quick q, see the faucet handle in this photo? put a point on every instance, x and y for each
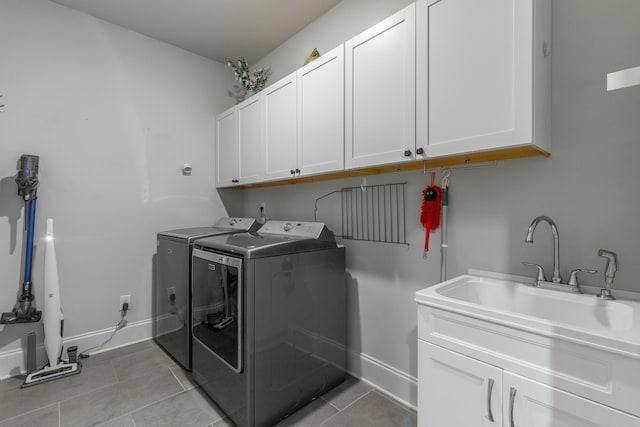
(573, 279)
(540, 277)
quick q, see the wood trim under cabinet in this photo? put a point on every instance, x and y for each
(470, 158)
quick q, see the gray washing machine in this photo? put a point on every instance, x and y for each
(269, 319)
(171, 291)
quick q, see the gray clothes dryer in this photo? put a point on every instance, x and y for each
(269, 319)
(171, 289)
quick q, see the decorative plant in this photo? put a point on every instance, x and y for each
(253, 81)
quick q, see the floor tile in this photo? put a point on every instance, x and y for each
(186, 409)
(11, 383)
(47, 416)
(116, 352)
(184, 377)
(140, 385)
(373, 410)
(115, 400)
(140, 364)
(18, 401)
(347, 392)
(123, 421)
(310, 415)
(223, 423)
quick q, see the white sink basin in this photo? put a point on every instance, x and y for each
(514, 301)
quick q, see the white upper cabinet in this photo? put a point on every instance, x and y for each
(239, 144)
(250, 141)
(380, 93)
(280, 114)
(483, 75)
(450, 80)
(227, 148)
(321, 114)
(304, 119)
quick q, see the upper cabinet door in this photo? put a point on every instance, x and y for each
(250, 141)
(280, 112)
(227, 148)
(480, 68)
(380, 93)
(321, 114)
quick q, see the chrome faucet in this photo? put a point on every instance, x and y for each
(556, 244)
(609, 274)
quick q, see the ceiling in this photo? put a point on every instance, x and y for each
(216, 29)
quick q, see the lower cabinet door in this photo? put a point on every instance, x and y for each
(456, 390)
(529, 403)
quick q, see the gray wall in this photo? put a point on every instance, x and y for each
(113, 116)
(588, 185)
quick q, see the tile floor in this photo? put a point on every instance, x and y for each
(139, 385)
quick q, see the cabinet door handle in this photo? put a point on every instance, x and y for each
(298, 171)
(407, 153)
(293, 172)
(420, 151)
(512, 402)
(489, 415)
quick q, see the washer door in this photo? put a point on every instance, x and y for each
(217, 305)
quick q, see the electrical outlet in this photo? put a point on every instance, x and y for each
(123, 299)
(171, 294)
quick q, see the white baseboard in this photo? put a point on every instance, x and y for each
(391, 381)
(13, 362)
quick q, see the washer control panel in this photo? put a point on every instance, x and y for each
(236, 223)
(293, 228)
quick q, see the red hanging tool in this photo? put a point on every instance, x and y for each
(431, 205)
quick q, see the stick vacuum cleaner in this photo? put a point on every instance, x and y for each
(24, 311)
(27, 180)
(53, 322)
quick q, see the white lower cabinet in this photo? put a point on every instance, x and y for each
(528, 403)
(456, 390)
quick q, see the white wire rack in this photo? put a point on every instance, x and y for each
(374, 213)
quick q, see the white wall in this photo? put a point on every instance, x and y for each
(588, 186)
(113, 116)
(345, 20)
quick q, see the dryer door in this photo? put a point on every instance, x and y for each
(217, 305)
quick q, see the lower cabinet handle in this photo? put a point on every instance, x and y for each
(512, 401)
(489, 415)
